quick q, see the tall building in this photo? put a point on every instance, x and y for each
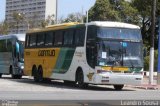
(25, 14)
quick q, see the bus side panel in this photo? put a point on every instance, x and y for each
(64, 60)
(39, 57)
(78, 60)
(5, 62)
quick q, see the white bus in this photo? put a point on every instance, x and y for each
(91, 53)
(12, 55)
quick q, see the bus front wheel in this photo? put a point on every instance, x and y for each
(80, 80)
(16, 76)
(118, 87)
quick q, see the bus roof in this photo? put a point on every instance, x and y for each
(113, 24)
(54, 27)
(74, 24)
(20, 37)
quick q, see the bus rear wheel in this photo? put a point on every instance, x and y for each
(118, 87)
(38, 74)
(0, 75)
(80, 80)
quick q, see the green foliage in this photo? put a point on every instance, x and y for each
(113, 10)
(75, 17)
(147, 59)
(49, 21)
(144, 8)
(4, 27)
(103, 10)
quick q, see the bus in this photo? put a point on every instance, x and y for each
(99, 52)
(12, 55)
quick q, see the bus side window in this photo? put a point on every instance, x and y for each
(79, 36)
(3, 47)
(9, 45)
(32, 40)
(68, 37)
(58, 38)
(49, 39)
(40, 39)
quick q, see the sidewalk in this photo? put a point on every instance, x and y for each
(146, 85)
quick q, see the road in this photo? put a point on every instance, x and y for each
(27, 89)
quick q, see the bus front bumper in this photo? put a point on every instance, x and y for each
(118, 79)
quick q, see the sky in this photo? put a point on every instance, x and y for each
(65, 7)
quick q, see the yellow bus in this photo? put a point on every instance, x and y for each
(92, 53)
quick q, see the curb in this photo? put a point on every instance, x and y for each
(145, 86)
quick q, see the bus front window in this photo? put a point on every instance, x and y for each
(117, 53)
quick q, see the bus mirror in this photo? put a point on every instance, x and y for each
(17, 51)
(17, 47)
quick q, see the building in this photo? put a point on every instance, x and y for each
(31, 13)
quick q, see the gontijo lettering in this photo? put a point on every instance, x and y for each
(46, 53)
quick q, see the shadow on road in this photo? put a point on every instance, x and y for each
(62, 85)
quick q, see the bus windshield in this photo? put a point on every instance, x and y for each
(120, 53)
(119, 33)
(114, 47)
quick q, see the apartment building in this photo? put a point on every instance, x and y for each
(33, 13)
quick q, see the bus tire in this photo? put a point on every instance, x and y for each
(118, 87)
(35, 74)
(19, 76)
(80, 79)
(47, 80)
(16, 76)
(13, 75)
(0, 75)
(40, 74)
(11, 72)
(70, 83)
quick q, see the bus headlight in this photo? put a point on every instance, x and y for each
(22, 67)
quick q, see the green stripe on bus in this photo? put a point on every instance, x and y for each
(64, 60)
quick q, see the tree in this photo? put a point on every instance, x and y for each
(4, 27)
(74, 17)
(102, 10)
(144, 12)
(18, 18)
(49, 21)
(34, 23)
(113, 10)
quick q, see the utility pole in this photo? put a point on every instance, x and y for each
(152, 42)
(158, 73)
